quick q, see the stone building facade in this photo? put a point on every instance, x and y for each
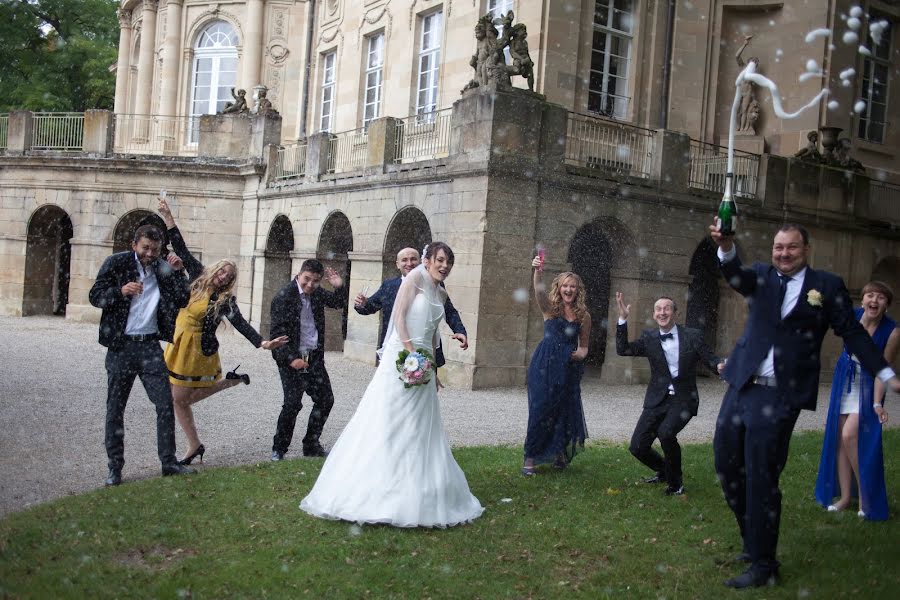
(613, 167)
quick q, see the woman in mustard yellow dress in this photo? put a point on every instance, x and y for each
(195, 371)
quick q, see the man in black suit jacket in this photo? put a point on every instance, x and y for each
(298, 312)
(140, 296)
(773, 373)
(671, 399)
(383, 300)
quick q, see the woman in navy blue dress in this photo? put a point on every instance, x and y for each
(556, 427)
(852, 459)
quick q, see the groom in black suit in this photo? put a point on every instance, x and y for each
(671, 399)
(298, 311)
(773, 373)
(383, 300)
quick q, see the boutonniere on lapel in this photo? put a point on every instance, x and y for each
(814, 298)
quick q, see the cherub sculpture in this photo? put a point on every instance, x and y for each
(263, 104)
(811, 151)
(239, 106)
(518, 51)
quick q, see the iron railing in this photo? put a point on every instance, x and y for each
(290, 162)
(709, 164)
(603, 144)
(154, 134)
(347, 151)
(884, 201)
(57, 131)
(4, 131)
(423, 136)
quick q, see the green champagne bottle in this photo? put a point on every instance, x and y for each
(727, 216)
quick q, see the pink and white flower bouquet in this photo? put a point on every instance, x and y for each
(415, 368)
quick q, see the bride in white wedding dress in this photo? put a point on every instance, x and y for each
(392, 463)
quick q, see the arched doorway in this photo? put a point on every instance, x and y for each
(596, 249)
(48, 253)
(590, 254)
(335, 244)
(408, 229)
(703, 291)
(277, 266)
(123, 235)
(888, 271)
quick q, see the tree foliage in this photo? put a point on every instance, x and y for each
(56, 54)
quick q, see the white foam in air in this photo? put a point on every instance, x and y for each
(817, 33)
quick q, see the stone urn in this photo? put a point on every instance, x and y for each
(829, 141)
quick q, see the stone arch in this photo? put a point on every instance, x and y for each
(333, 249)
(703, 291)
(123, 234)
(408, 229)
(48, 254)
(276, 266)
(596, 249)
(888, 271)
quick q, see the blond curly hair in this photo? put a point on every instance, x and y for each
(204, 287)
(556, 301)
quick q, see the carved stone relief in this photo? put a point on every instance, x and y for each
(371, 18)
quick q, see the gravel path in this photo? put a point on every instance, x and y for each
(52, 410)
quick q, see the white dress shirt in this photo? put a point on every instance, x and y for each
(670, 349)
(142, 312)
(309, 336)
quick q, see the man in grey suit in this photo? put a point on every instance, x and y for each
(671, 399)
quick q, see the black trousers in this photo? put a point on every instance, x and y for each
(664, 421)
(144, 360)
(315, 383)
(753, 433)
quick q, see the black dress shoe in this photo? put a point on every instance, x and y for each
(277, 455)
(314, 450)
(114, 477)
(177, 469)
(742, 557)
(753, 577)
(233, 374)
(674, 491)
(658, 478)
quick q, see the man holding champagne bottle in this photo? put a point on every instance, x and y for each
(773, 374)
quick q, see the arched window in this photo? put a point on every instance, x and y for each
(214, 72)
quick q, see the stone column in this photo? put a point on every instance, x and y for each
(19, 132)
(253, 28)
(318, 155)
(170, 59)
(98, 132)
(87, 256)
(144, 88)
(672, 159)
(123, 66)
(382, 144)
(362, 330)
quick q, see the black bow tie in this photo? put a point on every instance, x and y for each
(666, 336)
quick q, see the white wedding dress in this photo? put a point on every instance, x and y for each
(392, 463)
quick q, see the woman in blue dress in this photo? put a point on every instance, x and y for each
(556, 427)
(851, 452)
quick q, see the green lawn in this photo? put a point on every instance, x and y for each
(589, 532)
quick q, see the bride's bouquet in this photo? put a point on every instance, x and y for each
(415, 368)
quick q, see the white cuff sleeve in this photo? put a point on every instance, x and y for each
(726, 256)
(622, 321)
(885, 374)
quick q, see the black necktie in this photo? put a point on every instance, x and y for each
(782, 289)
(666, 336)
